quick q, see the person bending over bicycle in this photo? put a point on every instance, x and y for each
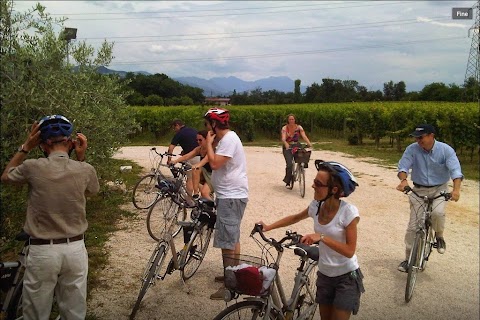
(186, 137)
(202, 172)
(291, 133)
(339, 282)
(57, 260)
(432, 164)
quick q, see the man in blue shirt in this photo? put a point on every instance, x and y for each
(187, 139)
(432, 164)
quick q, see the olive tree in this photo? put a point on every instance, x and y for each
(37, 78)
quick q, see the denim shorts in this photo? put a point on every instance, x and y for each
(227, 228)
(343, 291)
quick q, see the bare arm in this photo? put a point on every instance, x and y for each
(287, 221)
(216, 161)
(33, 140)
(403, 181)
(284, 137)
(305, 138)
(195, 152)
(170, 150)
(456, 189)
(346, 249)
(202, 162)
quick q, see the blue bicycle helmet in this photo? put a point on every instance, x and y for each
(54, 126)
(348, 181)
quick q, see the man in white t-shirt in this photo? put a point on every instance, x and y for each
(229, 179)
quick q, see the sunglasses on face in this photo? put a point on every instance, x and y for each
(319, 184)
(199, 140)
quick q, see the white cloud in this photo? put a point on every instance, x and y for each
(368, 41)
(436, 23)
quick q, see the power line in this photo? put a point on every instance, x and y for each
(229, 13)
(264, 33)
(270, 55)
(180, 11)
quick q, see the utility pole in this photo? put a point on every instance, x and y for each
(473, 64)
(68, 34)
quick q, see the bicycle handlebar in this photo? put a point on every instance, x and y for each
(446, 195)
(163, 154)
(289, 235)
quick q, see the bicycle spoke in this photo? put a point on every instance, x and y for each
(305, 301)
(162, 218)
(414, 266)
(196, 250)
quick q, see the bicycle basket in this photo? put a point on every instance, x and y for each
(247, 275)
(302, 156)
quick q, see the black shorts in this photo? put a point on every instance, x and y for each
(343, 291)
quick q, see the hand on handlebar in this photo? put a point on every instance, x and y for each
(455, 195)
(403, 185)
(310, 238)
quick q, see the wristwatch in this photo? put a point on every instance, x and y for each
(20, 149)
(322, 236)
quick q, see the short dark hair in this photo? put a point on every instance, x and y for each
(203, 133)
(177, 122)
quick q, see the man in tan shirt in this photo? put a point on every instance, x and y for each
(57, 261)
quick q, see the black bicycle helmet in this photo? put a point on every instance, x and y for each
(54, 126)
(349, 183)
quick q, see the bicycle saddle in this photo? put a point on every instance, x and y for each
(303, 250)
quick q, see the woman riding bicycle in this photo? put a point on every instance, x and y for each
(339, 282)
(291, 132)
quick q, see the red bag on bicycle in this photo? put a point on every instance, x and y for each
(249, 281)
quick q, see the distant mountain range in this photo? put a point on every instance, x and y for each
(222, 86)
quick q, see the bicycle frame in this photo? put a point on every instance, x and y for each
(424, 240)
(276, 301)
(285, 308)
(424, 224)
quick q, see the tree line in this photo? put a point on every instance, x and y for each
(160, 90)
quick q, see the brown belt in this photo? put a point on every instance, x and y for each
(55, 241)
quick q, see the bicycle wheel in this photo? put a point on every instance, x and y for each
(145, 193)
(154, 264)
(244, 310)
(414, 265)
(305, 305)
(162, 218)
(195, 251)
(301, 179)
(429, 244)
(15, 310)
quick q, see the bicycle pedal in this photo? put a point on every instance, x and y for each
(435, 245)
(170, 267)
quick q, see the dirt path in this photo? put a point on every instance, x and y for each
(448, 289)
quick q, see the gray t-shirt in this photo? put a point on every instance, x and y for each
(56, 195)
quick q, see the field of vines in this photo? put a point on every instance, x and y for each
(456, 123)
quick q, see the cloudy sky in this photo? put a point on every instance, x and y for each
(371, 42)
